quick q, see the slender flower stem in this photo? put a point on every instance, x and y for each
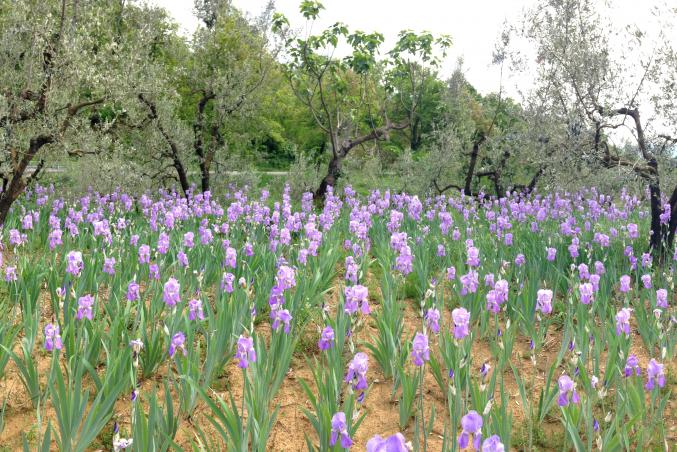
(244, 396)
(420, 405)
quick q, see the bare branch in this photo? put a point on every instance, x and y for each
(72, 110)
(375, 134)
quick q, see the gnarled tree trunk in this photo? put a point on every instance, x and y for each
(173, 153)
(329, 180)
(204, 159)
(17, 184)
(474, 156)
(659, 234)
(340, 151)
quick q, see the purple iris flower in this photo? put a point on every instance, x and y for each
(326, 339)
(432, 319)
(245, 351)
(52, 337)
(195, 310)
(471, 424)
(625, 283)
(74, 264)
(461, 319)
(144, 254)
(178, 342)
(544, 301)
(393, 443)
(586, 292)
(567, 391)
(551, 254)
(109, 265)
(631, 366)
(662, 298)
(493, 444)
(623, 321)
(280, 317)
(357, 371)
(171, 293)
(654, 374)
(420, 352)
(355, 295)
(339, 428)
(85, 304)
(133, 291)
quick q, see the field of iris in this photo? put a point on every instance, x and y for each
(384, 323)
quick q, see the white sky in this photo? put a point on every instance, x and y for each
(474, 25)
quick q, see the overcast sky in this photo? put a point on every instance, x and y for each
(474, 25)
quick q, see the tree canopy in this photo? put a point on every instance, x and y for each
(117, 84)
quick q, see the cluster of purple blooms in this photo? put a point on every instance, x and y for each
(355, 296)
(327, 338)
(52, 338)
(246, 353)
(471, 427)
(96, 215)
(285, 279)
(497, 296)
(655, 373)
(357, 374)
(461, 319)
(404, 260)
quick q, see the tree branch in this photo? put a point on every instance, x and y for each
(174, 149)
(72, 110)
(442, 190)
(375, 134)
(36, 172)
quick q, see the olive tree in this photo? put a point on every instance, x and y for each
(482, 143)
(68, 72)
(202, 90)
(602, 82)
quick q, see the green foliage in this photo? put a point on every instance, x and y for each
(80, 420)
(249, 91)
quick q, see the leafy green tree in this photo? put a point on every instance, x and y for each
(282, 128)
(422, 86)
(351, 97)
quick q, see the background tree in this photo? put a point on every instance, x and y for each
(350, 98)
(417, 92)
(487, 152)
(210, 89)
(62, 72)
(602, 91)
